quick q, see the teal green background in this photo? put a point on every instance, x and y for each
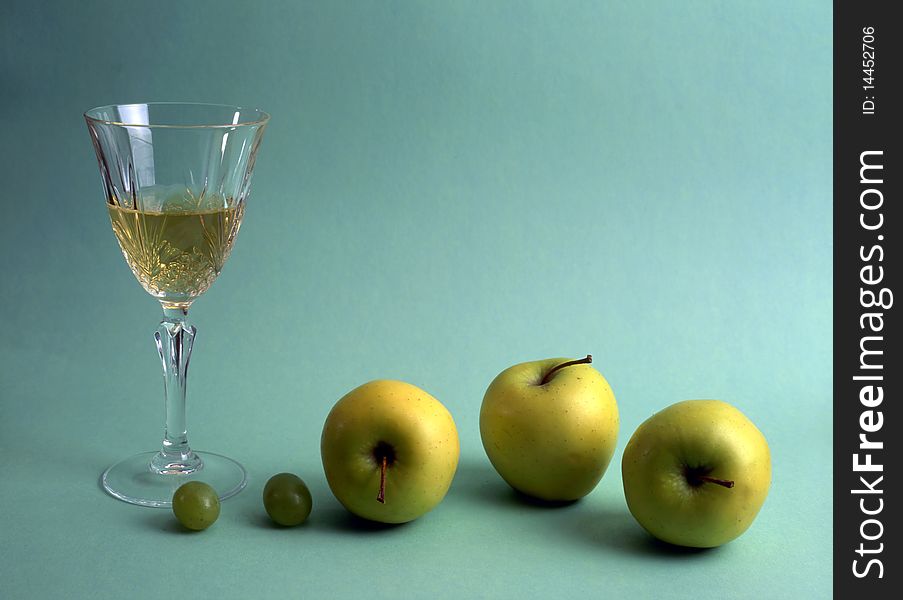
(445, 189)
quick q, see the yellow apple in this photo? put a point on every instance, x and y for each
(697, 473)
(549, 427)
(390, 451)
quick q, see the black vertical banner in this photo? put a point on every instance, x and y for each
(868, 365)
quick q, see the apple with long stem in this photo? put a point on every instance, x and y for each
(696, 473)
(550, 427)
(390, 451)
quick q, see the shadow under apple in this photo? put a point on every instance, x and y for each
(617, 530)
(479, 481)
(578, 520)
(338, 519)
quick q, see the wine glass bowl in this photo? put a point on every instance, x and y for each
(176, 177)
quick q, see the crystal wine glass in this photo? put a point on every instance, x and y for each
(176, 177)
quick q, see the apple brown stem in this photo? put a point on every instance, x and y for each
(725, 482)
(381, 496)
(580, 361)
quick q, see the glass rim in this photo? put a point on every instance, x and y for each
(262, 116)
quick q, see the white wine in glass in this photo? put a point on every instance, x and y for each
(177, 254)
(176, 178)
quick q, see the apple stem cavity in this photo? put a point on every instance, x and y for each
(724, 482)
(570, 363)
(696, 476)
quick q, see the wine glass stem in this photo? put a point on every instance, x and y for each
(175, 338)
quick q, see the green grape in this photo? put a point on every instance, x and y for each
(287, 499)
(195, 505)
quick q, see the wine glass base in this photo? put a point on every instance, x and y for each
(132, 480)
